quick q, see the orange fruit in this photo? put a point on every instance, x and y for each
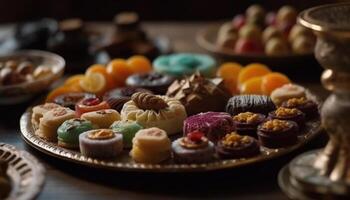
(74, 79)
(98, 68)
(272, 81)
(229, 72)
(252, 70)
(119, 70)
(252, 86)
(59, 91)
(139, 64)
(231, 85)
(94, 82)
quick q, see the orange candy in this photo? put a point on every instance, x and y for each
(252, 86)
(229, 72)
(272, 81)
(61, 90)
(139, 64)
(119, 70)
(98, 68)
(252, 70)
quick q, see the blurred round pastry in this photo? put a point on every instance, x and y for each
(270, 19)
(153, 81)
(286, 14)
(100, 143)
(213, 124)
(298, 30)
(181, 64)
(277, 133)
(234, 146)
(150, 110)
(150, 145)
(276, 47)
(246, 123)
(118, 97)
(255, 11)
(291, 114)
(50, 122)
(39, 111)
(271, 32)
(102, 118)
(200, 94)
(303, 45)
(89, 105)
(307, 106)
(238, 21)
(248, 46)
(71, 99)
(128, 129)
(250, 103)
(250, 31)
(193, 148)
(286, 92)
(68, 132)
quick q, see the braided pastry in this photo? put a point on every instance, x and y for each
(147, 101)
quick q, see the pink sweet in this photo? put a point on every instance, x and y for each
(214, 125)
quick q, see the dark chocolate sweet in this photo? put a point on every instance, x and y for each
(291, 114)
(117, 97)
(234, 146)
(199, 94)
(278, 133)
(153, 81)
(70, 99)
(309, 107)
(250, 103)
(246, 123)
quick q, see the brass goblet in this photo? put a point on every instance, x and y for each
(325, 174)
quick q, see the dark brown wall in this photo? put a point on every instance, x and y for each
(20, 10)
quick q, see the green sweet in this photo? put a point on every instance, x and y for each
(128, 129)
(70, 130)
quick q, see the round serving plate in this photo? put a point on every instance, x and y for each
(125, 163)
(294, 65)
(26, 174)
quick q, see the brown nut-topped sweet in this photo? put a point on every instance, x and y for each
(148, 101)
(309, 107)
(246, 117)
(277, 133)
(246, 123)
(292, 114)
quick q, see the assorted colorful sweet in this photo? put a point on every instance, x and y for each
(71, 99)
(213, 124)
(101, 143)
(116, 98)
(199, 94)
(182, 64)
(288, 91)
(193, 148)
(255, 78)
(102, 118)
(68, 132)
(235, 146)
(128, 129)
(153, 81)
(50, 122)
(155, 111)
(89, 105)
(22, 70)
(291, 114)
(246, 123)
(307, 106)
(277, 133)
(250, 103)
(273, 34)
(151, 145)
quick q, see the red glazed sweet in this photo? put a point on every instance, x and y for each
(89, 105)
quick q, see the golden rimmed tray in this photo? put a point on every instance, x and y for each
(125, 163)
(26, 174)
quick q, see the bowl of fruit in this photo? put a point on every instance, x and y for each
(25, 74)
(272, 38)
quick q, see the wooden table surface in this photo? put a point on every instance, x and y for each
(69, 181)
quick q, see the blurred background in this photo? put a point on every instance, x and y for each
(104, 10)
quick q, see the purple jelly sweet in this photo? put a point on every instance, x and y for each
(214, 125)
